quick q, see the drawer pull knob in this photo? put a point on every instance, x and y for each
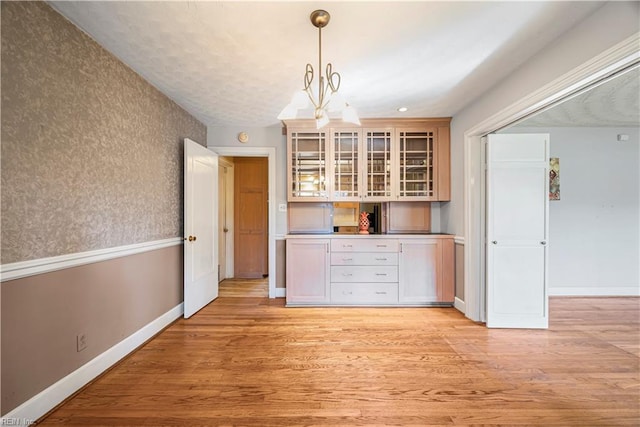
(381, 246)
(381, 259)
(347, 259)
(347, 293)
(381, 274)
(380, 293)
(347, 274)
(347, 246)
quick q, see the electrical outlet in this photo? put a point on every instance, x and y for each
(282, 207)
(81, 342)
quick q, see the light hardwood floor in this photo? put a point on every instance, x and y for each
(250, 361)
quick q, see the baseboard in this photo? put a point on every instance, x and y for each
(17, 270)
(600, 291)
(459, 305)
(46, 400)
(281, 292)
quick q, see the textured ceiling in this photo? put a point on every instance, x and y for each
(614, 103)
(238, 63)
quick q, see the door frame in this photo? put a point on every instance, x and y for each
(270, 153)
(568, 85)
(228, 189)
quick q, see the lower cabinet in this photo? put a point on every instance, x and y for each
(307, 271)
(370, 271)
(426, 271)
(364, 271)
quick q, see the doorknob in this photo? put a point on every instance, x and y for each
(192, 238)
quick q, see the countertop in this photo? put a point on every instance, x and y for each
(370, 236)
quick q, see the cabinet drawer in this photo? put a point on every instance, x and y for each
(364, 258)
(364, 293)
(364, 245)
(364, 274)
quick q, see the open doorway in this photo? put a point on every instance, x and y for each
(243, 226)
(475, 218)
(263, 276)
(594, 147)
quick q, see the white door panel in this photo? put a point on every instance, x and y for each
(516, 277)
(517, 230)
(200, 227)
(526, 147)
(518, 203)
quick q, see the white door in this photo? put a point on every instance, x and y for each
(517, 230)
(200, 227)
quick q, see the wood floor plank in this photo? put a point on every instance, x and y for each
(248, 360)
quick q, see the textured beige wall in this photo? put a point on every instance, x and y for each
(91, 158)
(108, 301)
(91, 153)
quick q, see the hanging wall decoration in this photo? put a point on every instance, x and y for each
(554, 178)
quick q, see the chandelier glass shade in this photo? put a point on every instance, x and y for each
(327, 99)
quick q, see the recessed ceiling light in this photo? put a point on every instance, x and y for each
(403, 109)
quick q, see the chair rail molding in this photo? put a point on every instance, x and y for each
(17, 270)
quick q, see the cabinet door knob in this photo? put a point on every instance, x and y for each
(543, 243)
(495, 242)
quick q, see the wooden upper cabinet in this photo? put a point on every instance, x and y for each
(378, 165)
(345, 164)
(416, 164)
(307, 166)
(385, 160)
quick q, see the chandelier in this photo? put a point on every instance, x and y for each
(327, 99)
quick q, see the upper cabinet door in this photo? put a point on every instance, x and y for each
(307, 168)
(345, 164)
(384, 160)
(379, 165)
(416, 164)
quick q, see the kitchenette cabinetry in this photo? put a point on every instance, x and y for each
(385, 160)
(370, 270)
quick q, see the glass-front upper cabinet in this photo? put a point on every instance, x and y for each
(379, 165)
(416, 164)
(346, 164)
(307, 169)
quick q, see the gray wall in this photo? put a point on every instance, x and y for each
(91, 159)
(594, 229)
(218, 136)
(107, 301)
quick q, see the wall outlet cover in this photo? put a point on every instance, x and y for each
(81, 342)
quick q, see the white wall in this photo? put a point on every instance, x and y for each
(259, 137)
(607, 26)
(594, 229)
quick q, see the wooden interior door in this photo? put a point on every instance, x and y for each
(251, 217)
